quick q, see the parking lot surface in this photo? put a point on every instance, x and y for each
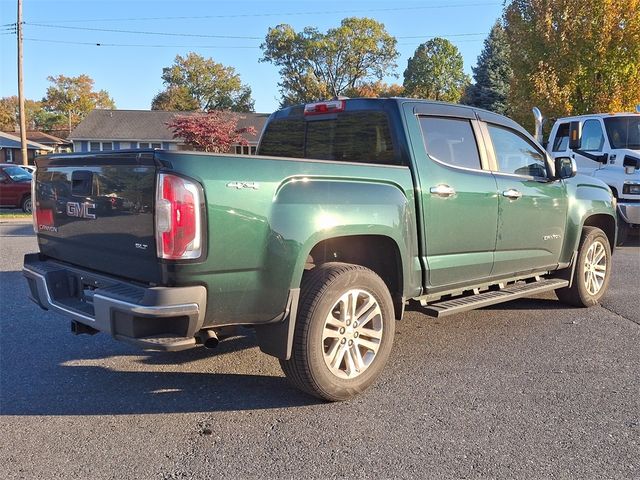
(527, 389)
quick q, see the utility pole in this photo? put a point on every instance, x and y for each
(23, 120)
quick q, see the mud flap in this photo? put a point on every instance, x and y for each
(276, 338)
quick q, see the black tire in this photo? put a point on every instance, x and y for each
(26, 204)
(578, 294)
(322, 288)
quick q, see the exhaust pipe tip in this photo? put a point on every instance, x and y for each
(208, 338)
(78, 328)
(539, 122)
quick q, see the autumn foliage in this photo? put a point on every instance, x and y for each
(573, 56)
(213, 132)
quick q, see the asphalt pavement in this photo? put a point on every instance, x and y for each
(527, 389)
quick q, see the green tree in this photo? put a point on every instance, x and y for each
(198, 83)
(36, 117)
(573, 56)
(315, 65)
(492, 74)
(435, 72)
(377, 89)
(74, 97)
(8, 113)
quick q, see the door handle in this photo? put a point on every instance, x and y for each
(442, 190)
(512, 194)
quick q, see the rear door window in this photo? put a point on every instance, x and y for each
(450, 141)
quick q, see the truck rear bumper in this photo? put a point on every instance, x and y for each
(158, 318)
(629, 212)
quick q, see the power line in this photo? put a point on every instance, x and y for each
(198, 35)
(445, 36)
(246, 15)
(137, 32)
(103, 44)
(234, 37)
(146, 45)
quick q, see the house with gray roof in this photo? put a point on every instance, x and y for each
(103, 130)
(10, 151)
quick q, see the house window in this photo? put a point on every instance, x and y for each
(153, 145)
(100, 146)
(9, 155)
(245, 149)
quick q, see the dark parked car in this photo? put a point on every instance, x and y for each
(15, 187)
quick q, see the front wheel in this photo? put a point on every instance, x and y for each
(344, 332)
(592, 271)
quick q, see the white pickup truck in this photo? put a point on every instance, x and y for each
(606, 146)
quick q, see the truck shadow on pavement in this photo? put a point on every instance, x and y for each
(45, 370)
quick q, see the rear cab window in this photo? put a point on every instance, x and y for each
(350, 136)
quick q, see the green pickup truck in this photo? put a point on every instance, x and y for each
(351, 210)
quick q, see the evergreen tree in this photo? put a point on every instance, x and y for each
(492, 74)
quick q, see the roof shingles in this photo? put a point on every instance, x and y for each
(144, 125)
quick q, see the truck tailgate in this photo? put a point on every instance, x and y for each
(96, 211)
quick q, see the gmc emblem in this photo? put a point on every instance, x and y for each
(80, 210)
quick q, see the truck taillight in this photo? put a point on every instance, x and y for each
(34, 203)
(178, 218)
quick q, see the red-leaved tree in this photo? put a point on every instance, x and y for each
(212, 132)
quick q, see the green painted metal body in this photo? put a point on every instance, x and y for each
(259, 238)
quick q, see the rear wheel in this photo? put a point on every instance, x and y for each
(592, 271)
(26, 204)
(344, 332)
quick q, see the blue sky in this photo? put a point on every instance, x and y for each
(130, 70)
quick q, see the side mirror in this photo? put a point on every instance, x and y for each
(630, 164)
(575, 135)
(565, 167)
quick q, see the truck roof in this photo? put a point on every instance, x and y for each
(447, 108)
(597, 115)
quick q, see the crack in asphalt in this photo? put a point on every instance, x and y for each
(637, 322)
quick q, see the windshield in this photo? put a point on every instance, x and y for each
(17, 174)
(623, 132)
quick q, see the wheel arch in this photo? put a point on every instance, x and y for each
(379, 253)
(604, 222)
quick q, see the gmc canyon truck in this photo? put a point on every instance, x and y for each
(351, 209)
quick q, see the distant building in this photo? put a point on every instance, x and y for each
(58, 144)
(104, 130)
(10, 151)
